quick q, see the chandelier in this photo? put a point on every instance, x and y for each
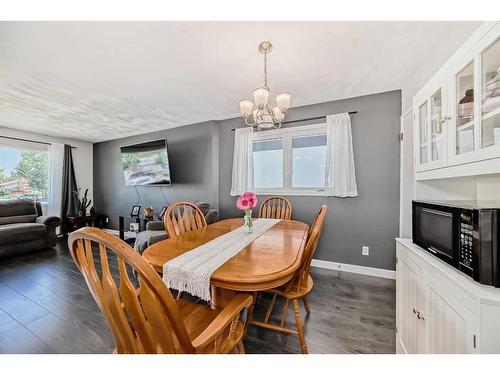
(260, 112)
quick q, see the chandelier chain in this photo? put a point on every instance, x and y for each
(265, 71)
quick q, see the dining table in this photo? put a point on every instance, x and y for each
(267, 262)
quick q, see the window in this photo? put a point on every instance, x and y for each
(268, 163)
(308, 161)
(290, 161)
(23, 170)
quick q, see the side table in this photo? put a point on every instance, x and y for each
(71, 223)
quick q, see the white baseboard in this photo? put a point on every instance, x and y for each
(370, 271)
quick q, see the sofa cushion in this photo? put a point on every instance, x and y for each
(17, 211)
(21, 232)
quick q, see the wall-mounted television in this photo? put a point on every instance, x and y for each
(146, 163)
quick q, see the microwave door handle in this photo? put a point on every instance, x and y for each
(435, 251)
(441, 213)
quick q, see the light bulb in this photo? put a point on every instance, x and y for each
(283, 101)
(260, 97)
(246, 107)
(278, 115)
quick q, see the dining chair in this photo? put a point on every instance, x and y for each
(148, 319)
(182, 217)
(276, 207)
(299, 286)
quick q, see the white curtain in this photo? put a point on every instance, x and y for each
(242, 178)
(56, 157)
(340, 173)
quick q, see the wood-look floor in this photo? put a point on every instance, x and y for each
(45, 307)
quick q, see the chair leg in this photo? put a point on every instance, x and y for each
(241, 348)
(250, 313)
(270, 309)
(306, 305)
(300, 330)
(179, 295)
(283, 312)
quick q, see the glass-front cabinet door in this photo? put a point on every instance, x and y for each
(423, 131)
(490, 95)
(437, 122)
(430, 126)
(464, 109)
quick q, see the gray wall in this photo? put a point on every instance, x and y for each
(200, 172)
(193, 153)
(370, 219)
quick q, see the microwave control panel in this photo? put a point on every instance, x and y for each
(466, 239)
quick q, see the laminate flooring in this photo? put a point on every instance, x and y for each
(46, 307)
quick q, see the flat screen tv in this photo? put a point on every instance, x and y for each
(146, 163)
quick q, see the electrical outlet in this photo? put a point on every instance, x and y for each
(107, 219)
(365, 250)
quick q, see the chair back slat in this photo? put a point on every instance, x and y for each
(143, 320)
(276, 207)
(133, 307)
(300, 277)
(182, 217)
(158, 320)
(88, 266)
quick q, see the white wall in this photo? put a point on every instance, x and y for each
(488, 188)
(444, 46)
(82, 154)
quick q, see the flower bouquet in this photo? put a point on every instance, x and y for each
(246, 202)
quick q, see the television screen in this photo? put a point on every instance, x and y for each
(146, 163)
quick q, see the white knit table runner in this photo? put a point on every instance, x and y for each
(191, 271)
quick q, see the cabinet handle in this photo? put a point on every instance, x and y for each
(414, 311)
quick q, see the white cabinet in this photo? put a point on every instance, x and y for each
(439, 309)
(408, 298)
(457, 113)
(450, 328)
(429, 320)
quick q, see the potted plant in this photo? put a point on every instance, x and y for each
(82, 203)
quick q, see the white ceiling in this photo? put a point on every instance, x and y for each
(97, 81)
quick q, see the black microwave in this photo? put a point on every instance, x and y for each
(464, 234)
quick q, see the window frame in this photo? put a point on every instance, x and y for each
(287, 134)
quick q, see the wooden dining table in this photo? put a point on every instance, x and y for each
(267, 262)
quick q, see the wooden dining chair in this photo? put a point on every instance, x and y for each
(148, 319)
(299, 286)
(276, 207)
(182, 217)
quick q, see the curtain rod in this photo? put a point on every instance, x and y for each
(29, 140)
(305, 119)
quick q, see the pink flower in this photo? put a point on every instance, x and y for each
(247, 201)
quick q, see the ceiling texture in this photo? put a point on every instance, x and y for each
(97, 81)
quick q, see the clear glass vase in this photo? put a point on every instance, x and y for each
(248, 221)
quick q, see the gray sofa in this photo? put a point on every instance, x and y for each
(155, 230)
(23, 228)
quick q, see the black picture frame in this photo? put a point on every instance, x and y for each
(162, 212)
(136, 210)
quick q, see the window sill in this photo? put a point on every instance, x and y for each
(292, 192)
